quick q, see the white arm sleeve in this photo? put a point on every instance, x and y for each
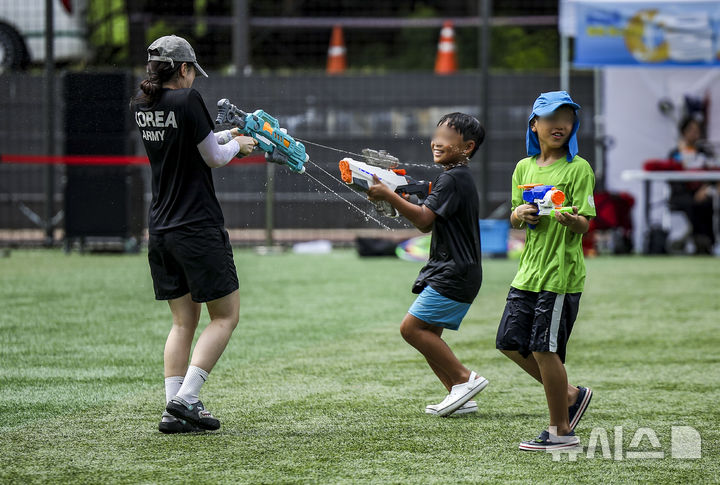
(217, 155)
(223, 137)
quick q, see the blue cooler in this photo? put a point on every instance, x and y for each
(494, 237)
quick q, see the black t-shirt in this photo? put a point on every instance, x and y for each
(183, 192)
(453, 269)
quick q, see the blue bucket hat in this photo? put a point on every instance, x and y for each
(543, 106)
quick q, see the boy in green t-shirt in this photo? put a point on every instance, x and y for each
(544, 296)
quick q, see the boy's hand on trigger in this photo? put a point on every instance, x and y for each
(527, 213)
(379, 191)
(567, 219)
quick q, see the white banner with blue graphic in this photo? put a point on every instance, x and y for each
(658, 33)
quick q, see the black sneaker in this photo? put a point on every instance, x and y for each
(549, 442)
(176, 426)
(576, 411)
(193, 413)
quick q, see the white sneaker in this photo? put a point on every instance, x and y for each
(462, 393)
(468, 407)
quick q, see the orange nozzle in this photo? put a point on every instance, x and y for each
(400, 171)
(345, 172)
(557, 197)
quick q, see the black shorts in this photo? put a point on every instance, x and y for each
(537, 322)
(192, 260)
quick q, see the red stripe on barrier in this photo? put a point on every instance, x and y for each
(75, 159)
(249, 160)
(104, 159)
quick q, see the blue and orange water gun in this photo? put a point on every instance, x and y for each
(273, 140)
(547, 198)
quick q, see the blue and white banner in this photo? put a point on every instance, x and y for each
(659, 33)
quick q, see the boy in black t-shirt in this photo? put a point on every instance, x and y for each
(448, 284)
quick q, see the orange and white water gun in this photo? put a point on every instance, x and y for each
(359, 176)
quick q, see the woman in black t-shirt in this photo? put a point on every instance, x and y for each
(189, 252)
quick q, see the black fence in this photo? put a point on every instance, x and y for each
(395, 112)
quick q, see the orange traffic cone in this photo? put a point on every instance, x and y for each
(337, 58)
(446, 62)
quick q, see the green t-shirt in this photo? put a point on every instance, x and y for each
(553, 259)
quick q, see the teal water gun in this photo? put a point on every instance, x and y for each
(547, 198)
(273, 140)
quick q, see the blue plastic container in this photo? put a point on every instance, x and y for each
(494, 236)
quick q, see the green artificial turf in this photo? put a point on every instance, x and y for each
(317, 386)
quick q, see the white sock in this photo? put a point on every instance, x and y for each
(172, 386)
(194, 379)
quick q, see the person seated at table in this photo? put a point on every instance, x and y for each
(695, 199)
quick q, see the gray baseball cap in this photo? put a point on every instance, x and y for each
(172, 49)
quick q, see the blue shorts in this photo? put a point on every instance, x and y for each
(433, 308)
